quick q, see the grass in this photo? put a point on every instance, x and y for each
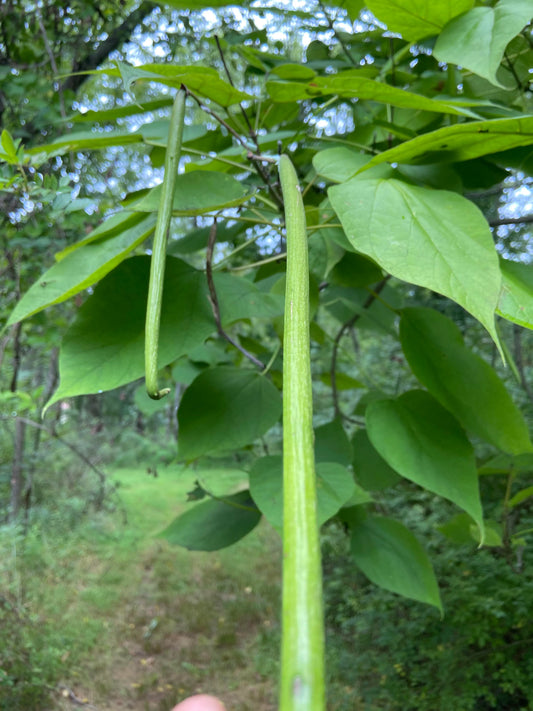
(129, 622)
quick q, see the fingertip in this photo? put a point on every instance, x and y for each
(200, 702)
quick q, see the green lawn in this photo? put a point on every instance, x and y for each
(130, 622)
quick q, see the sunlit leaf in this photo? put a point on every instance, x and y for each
(433, 238)
(477, 39)
(354, 84)
(80, 269)
(516, 298)
(416, 19)
(460, 142)
(225, 408)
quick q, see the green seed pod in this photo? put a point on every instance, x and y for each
(302, 653)
(159, 248)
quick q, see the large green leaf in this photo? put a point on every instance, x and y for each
(225, 408)
(391, 557)
(199, 79)
(85, 140)
(335, 486)
(197, 193)
(79, 269)
(416, 19)
(341, 163)
(477, 39)
(104, 347)
(516, 298)
(433, 238)
(460, 142)
(354, 84)
(110, 227)
(214, 524)
(461, 380)
(241, 299)
(424, 443)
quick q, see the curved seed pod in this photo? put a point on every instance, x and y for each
(159, 248)
(302, 652)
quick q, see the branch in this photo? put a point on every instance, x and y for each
(511, 221)
(114, 40)
(251, 131)
(345, 326)
(214, 298)
(337, 36)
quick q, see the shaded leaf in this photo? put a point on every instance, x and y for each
(425, 444)
(461, 380)
(391, 557)
(332, 444)
(225, 408)
(214, 524)
(371, 470)
(197, 193)
(462, 530)
(433, 238)
(104, 347)
(335, 486)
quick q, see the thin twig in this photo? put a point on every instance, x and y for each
(214, 298)
(57, 85)
(337, 36)
(345, 326)
(253, 134)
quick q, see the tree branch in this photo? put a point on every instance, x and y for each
(511, 221)
(115, 39)
(337, 36)
(214, 298)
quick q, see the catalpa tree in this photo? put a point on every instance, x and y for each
(312, 191)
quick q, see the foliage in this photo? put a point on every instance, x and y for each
(396, 140)
(475, 659)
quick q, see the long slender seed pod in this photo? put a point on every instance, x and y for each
(159, 248)
(302, 647)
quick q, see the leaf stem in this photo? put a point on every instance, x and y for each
(159, 248)
(302, 647)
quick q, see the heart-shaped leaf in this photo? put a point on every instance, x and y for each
(425, 444)
(391, 557)
(433, 238)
